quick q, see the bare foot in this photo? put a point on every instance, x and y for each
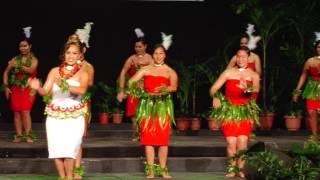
(165, 176)
(242, 175)
(77, 176)
(150, 176)
(29, 140)
(232, 174)
(17, 140)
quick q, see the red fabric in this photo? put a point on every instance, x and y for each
(20, 100)
(314, 72)
(132, 104)
(154, 134)
(132, 70)
(237, 129)
(251, 66)
(236, 96)
(313, 104)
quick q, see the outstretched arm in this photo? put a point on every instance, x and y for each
(302, 79)
(6, 80)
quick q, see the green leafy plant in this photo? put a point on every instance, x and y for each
(103, 96)
(294, 109)
(268, 23)
(304, 163)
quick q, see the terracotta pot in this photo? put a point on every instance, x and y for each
(266, 121)
(117, 118)
(293, 123)
(104, 118)
(195, 124)
(213, 124)
(182, 123)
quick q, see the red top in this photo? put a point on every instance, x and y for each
(152, 82)
(235, 94)
(251, 66)
(314, 72)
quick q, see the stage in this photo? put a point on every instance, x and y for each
(110, 153)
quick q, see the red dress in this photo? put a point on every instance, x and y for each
(236, 96)
(132, 103)
(251, 66)
(152, 133)
(21, 100)
(313, 104)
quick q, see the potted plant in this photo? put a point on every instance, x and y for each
(213, 124)
(293, 117)
(117, 114)
(275, 90)
(103, 97)
(206, 71)
(183, 96)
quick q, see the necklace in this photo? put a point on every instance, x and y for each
(72, 68)
(158, 65)
(242, 69)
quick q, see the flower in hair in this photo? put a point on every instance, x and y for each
(253, 40)
(84, 34)
(166, 40)
(139, 32)
(27, 31)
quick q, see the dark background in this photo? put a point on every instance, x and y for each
(198, 28)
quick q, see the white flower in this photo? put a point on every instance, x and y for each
(166, 40)
(84, 34)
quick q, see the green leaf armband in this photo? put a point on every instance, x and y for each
(297, 92)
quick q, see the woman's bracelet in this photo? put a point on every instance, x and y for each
(297, 92)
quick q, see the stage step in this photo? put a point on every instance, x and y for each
(113, 165)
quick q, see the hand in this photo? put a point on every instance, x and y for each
(34, 83)
(216, 103)
(121, 95)
(295, 98)
(57, 80)
(13, 63)
(7, 92)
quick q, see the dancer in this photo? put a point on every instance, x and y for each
(83, 35)
(250, 41)
(136, 61)
(65, 112)
(241, 87)
(15, 77)
(154, 113)
(311, 92)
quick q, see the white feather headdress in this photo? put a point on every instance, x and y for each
(27, 31)
(139, 32)
(317, 34)
(253, 40)
(166, 40)
(84, 34)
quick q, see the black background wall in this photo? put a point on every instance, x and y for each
(198, 28)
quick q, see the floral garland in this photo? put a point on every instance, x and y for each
(235, 113)
(152, 106)
(23, 82)
(312, 90)
(73, 70)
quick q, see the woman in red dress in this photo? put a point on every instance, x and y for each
(254, 61)
(154, 113)
(140, 59)
(15, 77)
(241, 87)
(311, 92)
